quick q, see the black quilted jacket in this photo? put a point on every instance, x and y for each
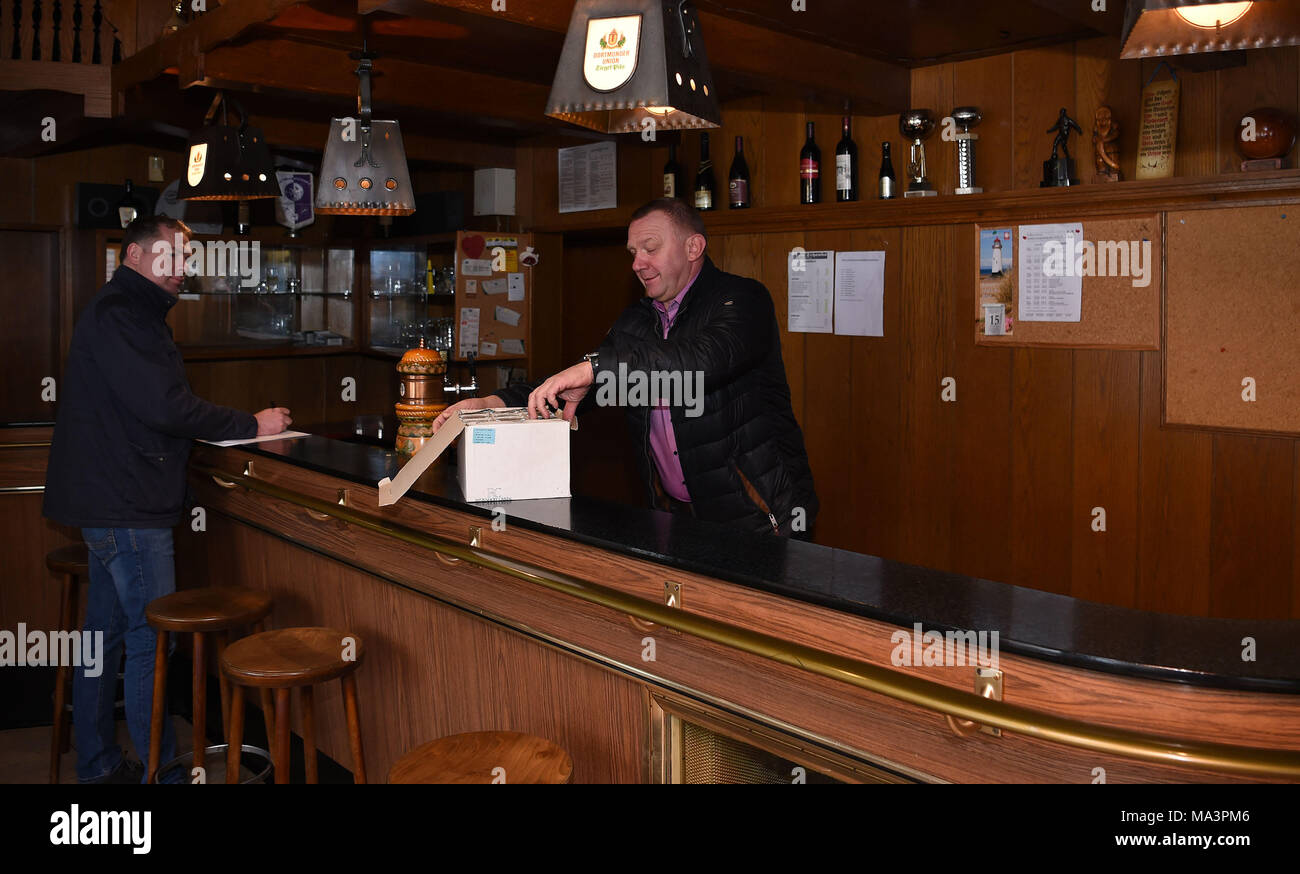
(743, 458)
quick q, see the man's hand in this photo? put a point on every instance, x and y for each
(272, 420)
(488, 403)
(570, 385)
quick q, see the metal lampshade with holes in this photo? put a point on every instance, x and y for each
(1154, 28)
(363, 171)
(226, 162)
(627, 62)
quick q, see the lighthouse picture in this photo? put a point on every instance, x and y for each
(996, 287)
(996, 266)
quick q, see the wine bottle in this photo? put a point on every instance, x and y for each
(810, 170)
(846, 166)
(739, 179)
(674, 175)
(706, 188)
(886, 174)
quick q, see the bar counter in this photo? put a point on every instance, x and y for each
(548, 625)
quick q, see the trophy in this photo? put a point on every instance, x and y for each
(917, 125)
(1058, 171)
(966, 117)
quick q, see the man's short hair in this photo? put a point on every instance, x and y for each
(686, 217)
(147, 228)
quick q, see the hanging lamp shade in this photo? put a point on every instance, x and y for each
(1155, 28)
(226, 162)
(627, 61)
(363, 170)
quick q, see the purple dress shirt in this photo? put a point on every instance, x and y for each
(663, 443)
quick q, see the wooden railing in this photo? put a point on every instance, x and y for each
(60, 31)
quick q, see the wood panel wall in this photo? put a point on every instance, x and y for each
(1002, 483)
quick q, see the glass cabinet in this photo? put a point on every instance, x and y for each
(269, 296)
(410, 296)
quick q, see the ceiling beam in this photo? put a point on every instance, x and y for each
(290, 66)
(780, 62)
(185, 48)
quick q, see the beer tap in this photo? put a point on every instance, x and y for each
(461, 391)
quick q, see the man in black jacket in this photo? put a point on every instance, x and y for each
(117, 471)
(731, 451)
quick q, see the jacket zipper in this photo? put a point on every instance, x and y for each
(756, 498)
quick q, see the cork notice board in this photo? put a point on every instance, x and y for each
(494, 295)
(1115, 313)
(1232, 304)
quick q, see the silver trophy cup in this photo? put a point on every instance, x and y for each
(917, 125)
(966, 117)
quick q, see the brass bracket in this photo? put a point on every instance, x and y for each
(673, 594)
(988, 684)
(475, 536)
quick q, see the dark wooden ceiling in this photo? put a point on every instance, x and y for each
(467, 81)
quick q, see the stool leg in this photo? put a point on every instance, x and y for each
(268, 711)
(200, 701)
(159, 704)
(354, 728)
(281, 735)
(61, 682)
(235, 735)
(223, 638)
(309, 734)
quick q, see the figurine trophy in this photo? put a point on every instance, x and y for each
(1058, 171)
(966, 117)
(917, 125)
(1105, 145)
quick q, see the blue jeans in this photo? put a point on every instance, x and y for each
(129, 568)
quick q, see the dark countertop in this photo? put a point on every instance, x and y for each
(1057, 628)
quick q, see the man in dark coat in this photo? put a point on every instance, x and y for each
(117, 471)
(697, 365)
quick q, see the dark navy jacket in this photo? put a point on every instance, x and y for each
(127, 416)
(743, 457)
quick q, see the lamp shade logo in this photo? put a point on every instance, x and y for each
(610, 59)
(198, 158)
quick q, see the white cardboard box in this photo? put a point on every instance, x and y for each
(514, 461)
(503, 456)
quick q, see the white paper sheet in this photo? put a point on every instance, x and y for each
(487, 349)
(512, 346)
(283, 435)
(471, 286)
(588, 177)
(516, 284)
(860, 294)
(1051, 290)
(811, 284)
(467, 335)
(476, 267)
(507, 316)
(494, 286)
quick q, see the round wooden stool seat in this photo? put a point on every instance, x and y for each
(289, 657)
(72, 559)
(473, 757)
(215, 608)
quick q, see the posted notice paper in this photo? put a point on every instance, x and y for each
(860, 294)
(1046, 293)
(468, 332)
(588, 177)
(810, 278)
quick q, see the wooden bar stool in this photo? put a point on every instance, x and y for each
(70, 564)
(484, 757)
(285, 659)
(214, 610)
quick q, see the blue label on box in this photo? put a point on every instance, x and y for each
(485, 435)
